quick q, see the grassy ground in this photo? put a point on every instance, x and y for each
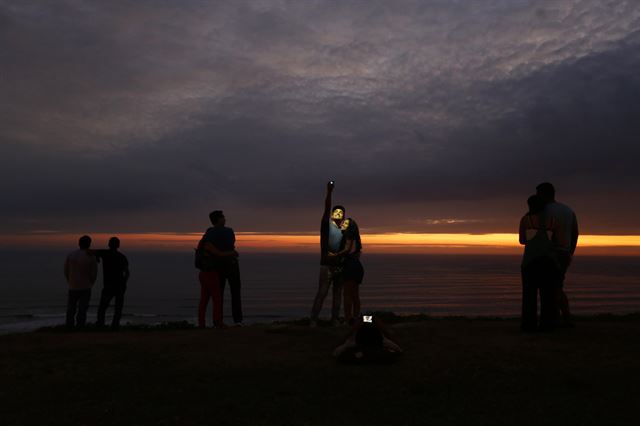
(454, 372)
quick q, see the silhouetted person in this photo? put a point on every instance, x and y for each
(540, 267)
(115, 269)
(568, 227)
(81, 271)
(368, 342)
(208, 259)
(224, 239)
(331, 242)
(352, 270)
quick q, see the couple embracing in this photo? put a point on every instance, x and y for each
(340, 266)
(549, 233)
(217, 260)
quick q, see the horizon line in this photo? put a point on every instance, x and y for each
(388, 242)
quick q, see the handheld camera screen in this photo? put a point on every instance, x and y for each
(367, 318)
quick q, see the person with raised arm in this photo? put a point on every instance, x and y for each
(331, 242)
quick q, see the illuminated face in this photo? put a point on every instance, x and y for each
(345, 224)
(337, 214)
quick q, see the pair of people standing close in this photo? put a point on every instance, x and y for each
(340, 266)
(217, 259)
(81, 271)
(549, 232)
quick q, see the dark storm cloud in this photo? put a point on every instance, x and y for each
(135, 112)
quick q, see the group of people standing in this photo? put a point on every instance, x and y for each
(340, 266)
(549, 233)
(217, 259)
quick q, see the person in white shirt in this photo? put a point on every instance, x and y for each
(565, 244)
(331, 242)
(81, 271)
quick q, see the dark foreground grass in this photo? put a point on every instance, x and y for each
(454, 372)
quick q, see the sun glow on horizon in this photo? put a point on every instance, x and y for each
(506, 243)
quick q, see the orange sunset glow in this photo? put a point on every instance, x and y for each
(495, 243)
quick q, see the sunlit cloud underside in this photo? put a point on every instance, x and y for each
(506, 243)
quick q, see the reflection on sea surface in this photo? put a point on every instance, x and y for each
(164, 286)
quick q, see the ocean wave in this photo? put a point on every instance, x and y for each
(32, 316)
(145, 315)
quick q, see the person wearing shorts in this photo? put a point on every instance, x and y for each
(352, 270)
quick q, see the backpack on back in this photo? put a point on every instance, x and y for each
(204, 260)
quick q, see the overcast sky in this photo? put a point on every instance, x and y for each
(432, 116)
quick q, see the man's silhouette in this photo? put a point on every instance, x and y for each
(331, 241)
(228, 267)
(115, 268)
(568, 225)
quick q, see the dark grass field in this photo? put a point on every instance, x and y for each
(454, 372)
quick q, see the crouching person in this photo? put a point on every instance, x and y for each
(369, 342)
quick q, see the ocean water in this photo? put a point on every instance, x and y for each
(164, 286)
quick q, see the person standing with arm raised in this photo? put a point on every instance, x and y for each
(331, 238)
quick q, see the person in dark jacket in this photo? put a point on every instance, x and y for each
(224, 239)
(115, 269)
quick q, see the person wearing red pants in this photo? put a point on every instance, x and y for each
(208, 258)
(210, 289)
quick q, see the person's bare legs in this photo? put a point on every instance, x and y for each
(349, 288)
(324, 281)
(563, 304)
(336, 299)
(562, 300)
(356, 299)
